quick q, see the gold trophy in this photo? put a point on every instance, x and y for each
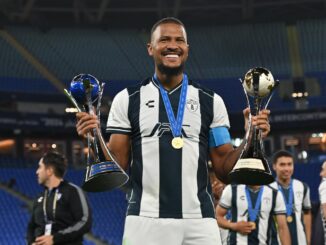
(252, 167)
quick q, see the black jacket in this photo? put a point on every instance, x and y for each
(72, 215)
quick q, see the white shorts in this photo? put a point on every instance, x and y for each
(162, 231)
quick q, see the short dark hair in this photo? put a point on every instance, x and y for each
(165, 21)
(57, 161)
(281, 153)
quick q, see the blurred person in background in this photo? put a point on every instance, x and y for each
(296, 196)
(216, 185)
(61, 214)
(322, 197)
(217, 189)
(252, 211)
(169, 125)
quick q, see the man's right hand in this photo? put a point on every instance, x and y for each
(243, 227)
(85, 123)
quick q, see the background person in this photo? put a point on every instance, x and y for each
(296, 196)
(61, 214)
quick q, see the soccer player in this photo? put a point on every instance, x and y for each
(165, 127)
(296, 197)
(252, 211)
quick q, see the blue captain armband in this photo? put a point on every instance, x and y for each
(219, 136)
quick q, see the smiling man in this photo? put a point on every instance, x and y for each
(166, 127)
(296, 196)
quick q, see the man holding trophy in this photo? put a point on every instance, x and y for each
(165, 128)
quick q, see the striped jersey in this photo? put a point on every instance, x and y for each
(301, 202)
(168, 182)
(234, 198)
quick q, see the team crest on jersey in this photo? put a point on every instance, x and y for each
(192, 105)
(267, 200)
(299, 194)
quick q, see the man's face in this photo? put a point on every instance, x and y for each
(169, 48)
(42, 173)
(284, 168)
(323, 170)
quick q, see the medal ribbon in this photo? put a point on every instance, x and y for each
(176, 124)
(254, 212)
(54, 205)
(289, 204)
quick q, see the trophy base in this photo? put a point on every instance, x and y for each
(249, 176)
(104, 176)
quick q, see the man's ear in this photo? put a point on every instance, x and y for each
(274, 167)
(149, 49)
(50, 170)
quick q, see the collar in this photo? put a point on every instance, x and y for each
(56, 187)
(169, 92)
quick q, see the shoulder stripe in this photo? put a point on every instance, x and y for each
(77, 226)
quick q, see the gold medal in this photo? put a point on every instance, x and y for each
(253, 225)
(289, 219)
(177, 143)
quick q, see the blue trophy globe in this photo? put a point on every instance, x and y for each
(103, 173)
(78, 90)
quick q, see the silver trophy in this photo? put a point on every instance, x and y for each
(252, 167)
(101, 174)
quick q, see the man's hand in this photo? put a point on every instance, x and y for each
(217, 189)
(85, 123)
(243, 227)
(44, 240)
(261, 121)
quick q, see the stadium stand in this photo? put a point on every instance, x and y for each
(14, 219)
(108, 207)
(219, 56)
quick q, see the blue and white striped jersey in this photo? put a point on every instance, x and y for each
(234, 198)
(168, 182)
(301, 202)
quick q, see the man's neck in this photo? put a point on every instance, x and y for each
(53, 183)
(169, 82)
(284, 182)
(254, 187)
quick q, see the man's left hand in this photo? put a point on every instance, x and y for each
(44, 240)
(261, 121)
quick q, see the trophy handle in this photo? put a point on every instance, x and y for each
(72, 99)
(248, 105)
(277, 82)
(99, 102)
(97, 134)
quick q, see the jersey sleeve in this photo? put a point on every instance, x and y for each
(322, 192)
(221, 118)
(279, 204)
(118, 120)
(226, 198)
(82, 218)
(306, 204)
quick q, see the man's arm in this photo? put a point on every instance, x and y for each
(119, 144)
(307, 219)
(242, 227)
(283, 229)
(224, 156)
(82, 215)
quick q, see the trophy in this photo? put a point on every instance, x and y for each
(252, 167)
(101, 174)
